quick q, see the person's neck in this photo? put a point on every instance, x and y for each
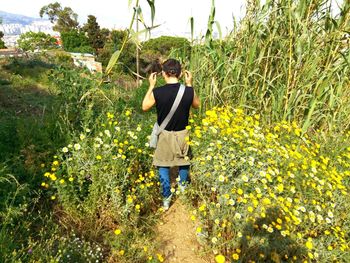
(171, 80)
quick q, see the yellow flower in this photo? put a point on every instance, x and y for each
(308, 244)
(53, 177)
(266, 201)
(110, 115)
(202, 207)
(98, 157)
(280, 188)
(160, 257)
(220, 259)
(121, 252)
(235, 256)
(117, 231)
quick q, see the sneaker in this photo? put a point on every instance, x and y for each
(166, 202)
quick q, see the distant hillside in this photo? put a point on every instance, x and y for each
(8, 18)
(15, 25)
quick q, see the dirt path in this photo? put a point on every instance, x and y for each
(176, 234)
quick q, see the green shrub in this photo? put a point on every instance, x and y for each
(268, 193)
(103, 182)
(75, 41)
(127, 60)
(163, 46)
(31, 41)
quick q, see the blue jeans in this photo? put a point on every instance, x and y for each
(164, 177)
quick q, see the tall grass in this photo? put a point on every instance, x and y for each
(286, 59)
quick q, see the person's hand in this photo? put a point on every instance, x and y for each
(188, 78)
(153, 79)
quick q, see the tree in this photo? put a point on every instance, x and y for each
(160, 48)
(94, 33)
(164, 44)
(75, 41)
(31, 41)
(2, 43)
(64, 18)
(114, 42)
(105, 34)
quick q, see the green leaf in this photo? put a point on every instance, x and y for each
(113, 61)
(192, 27)
(134, 37)
(219, 29)
(143, 31)
(153, 10)
(139, 15)
(208, 35)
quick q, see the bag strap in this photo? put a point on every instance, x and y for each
(176, 103)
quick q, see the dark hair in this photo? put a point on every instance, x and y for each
(172, 67)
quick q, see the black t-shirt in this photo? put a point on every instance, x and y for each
(165, 97)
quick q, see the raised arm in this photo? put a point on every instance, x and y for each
(149, 100)
(188, 79)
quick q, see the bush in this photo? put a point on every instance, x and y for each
(268, 194)
(78, 98)
(163, 46)
(75, 41)
(31, 41)
(104, 184)
(127, 59)
(2, 43)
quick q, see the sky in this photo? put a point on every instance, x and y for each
(172, 15)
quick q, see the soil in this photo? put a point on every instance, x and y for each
(176, 235)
